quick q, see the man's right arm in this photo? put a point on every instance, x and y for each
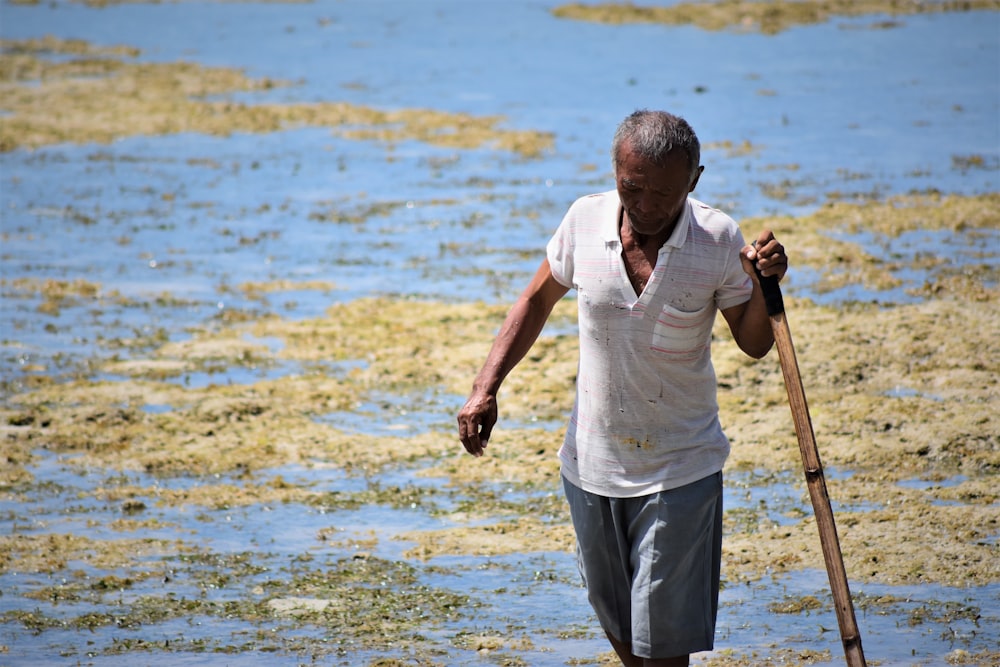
(520, 329)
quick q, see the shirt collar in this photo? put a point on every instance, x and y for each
(611, 234)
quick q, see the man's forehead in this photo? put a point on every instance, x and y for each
(626, 153)
(633, 165)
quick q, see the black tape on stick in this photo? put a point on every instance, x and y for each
(772, 294)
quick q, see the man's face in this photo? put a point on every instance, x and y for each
(653, 196)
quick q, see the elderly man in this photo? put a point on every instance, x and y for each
(644, 450)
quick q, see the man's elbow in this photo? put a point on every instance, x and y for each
(757, 350)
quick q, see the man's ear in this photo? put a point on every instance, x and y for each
(697, 176)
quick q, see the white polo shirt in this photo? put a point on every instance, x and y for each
(645, 417)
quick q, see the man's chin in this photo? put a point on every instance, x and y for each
(646, 228)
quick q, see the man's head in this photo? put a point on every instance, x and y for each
(656, 158)
(653, 135)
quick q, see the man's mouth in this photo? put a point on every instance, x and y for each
(638, 220)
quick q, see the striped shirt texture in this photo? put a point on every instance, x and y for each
(645, 418)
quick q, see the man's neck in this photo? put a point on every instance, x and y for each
(645, 241)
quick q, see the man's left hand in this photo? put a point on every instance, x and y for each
(768, 255)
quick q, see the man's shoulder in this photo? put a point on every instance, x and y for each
(595, 213)
(711, 221)
(706, 215)
(596, 200)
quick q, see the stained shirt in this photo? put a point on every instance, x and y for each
(645, 418)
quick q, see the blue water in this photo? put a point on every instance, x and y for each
(840, 110)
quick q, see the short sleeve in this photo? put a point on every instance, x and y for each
(559, 252)
(736, 287)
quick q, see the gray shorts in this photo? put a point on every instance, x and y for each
(651, 565)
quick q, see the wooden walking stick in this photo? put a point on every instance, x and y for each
(849, 634)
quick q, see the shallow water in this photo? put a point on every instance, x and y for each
(172, 229)
(529, 595)
(858, 112)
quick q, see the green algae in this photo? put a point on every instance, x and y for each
(54, 552)
(775, 656)
(770, 17)
(895, 396)
(111, 3)
(54, 294)
(369, 603)
(520, 535)
(797, 605)
(855, 359)
(100, 94)
(851, 358)
(842, 261)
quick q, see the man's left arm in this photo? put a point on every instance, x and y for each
(749, 321)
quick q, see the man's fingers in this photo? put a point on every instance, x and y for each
(475, 423)
(469, 434)
(484, 434)
(768, 255)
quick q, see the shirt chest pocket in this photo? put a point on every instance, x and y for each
(681, 334)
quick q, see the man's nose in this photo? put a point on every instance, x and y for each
(646, 203)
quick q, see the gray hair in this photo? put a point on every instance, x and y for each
(653, 135)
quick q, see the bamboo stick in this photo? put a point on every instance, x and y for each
(815, 481)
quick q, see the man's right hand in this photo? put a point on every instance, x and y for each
(476, 420)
